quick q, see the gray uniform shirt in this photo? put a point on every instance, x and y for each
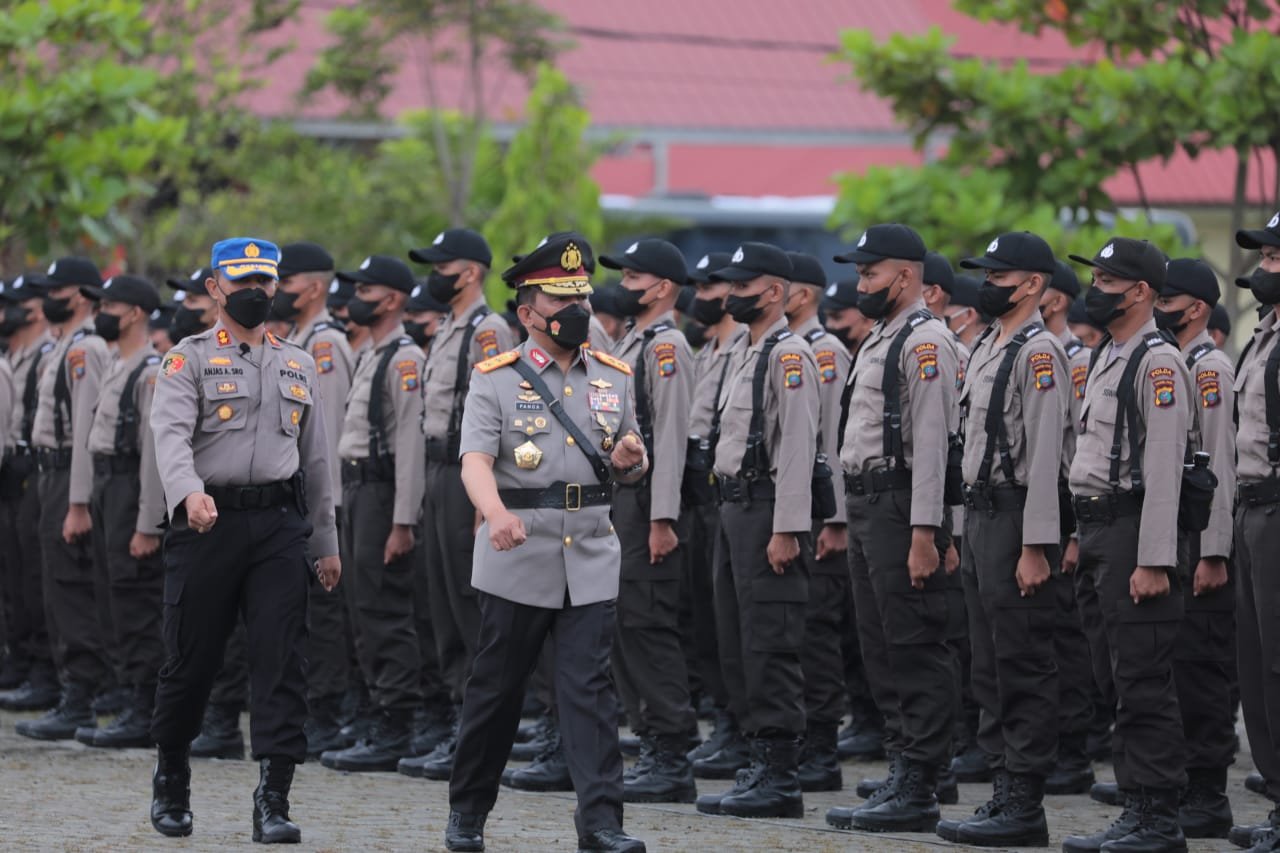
(1164, 415)
(335, 364)
(1251, 402)
(927, 370)
(574, 553)
(402, 414)
(223, 416)
(83, 356)
(668, 380)
(1213, 378)
(707, 367)
(1078, 364)
(1033, 410)
(106, 420)
(23, 361)
(791, 411)
(832, 361)
(490, 337)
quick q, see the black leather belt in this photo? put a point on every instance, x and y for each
(251, 497)
(53, 460)
(105, 464)
(438, 450)
(875, 482)
(368, 471)
(1105, 509)
(996, 499)
(570, 497)
(734, 491)
(1259, 494)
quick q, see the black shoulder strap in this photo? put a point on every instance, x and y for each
(997, 433)
(62, 393)
(716, 411)
(1127, 415)
(755, 461)
(462, 379)
(1198, 353)
(378, 448)
(1097, 353)
(1074, 347)
(30, 393)
(889, 388)
(644, 414)
(557, 410)
(312, 332)
(127, 418)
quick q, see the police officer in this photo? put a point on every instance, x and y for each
(64, 414)
(1126, 478)
(1083, 326)
(1015, 402)
(894, 456)
(128, 503)
(196, 311)
(1220, 326)
(764, 466)
(607, 325)
(841, 316)
(546, 564)
(649, 664)
(381, 455)
(240, 444)
(1257, 539)
(460, 260)
(423, 316)
(26, 632)
(829, 585)
(962, 313)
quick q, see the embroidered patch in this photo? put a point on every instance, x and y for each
(927, 361)
(220, 361)
(666, 355)
(408, 375)
(1042, 368)
(294, 417)
(224, 338)
(488, 341)
(1210, 389)
(298, 392)
(961, 373)
(603, 400)
(539, 357)
(527, 406)
(1079, 377)
(173, 362)
(1162, 385)
(293, 364)
(226, 387)
(792, 370)
(826, 366)
(75, 364)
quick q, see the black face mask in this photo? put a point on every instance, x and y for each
(628, 302)
(14, 318)
(1170, 321)
(695, 334)
(417, 332)
(1265, 287)
(57, 310)
(285, 305)
(443, 287)
(996, 301)
(1103, 308)
(878, 305)
(569, 327)
(107, 326)
(184, 324)
(844, 336)
(708, 312)
(248, 307)
(362, 313)
(743, 309)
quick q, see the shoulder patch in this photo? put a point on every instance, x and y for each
(615, 363)
(926, 360)
(792, 370)
(1079, 378)
(322, 352)
(1209, 384)
(666, 355)
(75, 364)
(173, 362)
(1042, 370)
(1162, 384)
(826, 365)
(501, 360)
(488, 342)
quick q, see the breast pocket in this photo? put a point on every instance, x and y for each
(294, 406)
(530, 423)
(226, 405)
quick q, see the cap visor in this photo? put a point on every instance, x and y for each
(734, 274)
(829, 304)
(859, 257)
(94, 293)
(987, 262)
(570, 288)
(616, 263)
(1246, 239)
(1244, 281)
(430, 255)
(356, 277)
(235, 272)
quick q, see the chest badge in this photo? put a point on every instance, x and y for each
(528, 456)
(606, 443)
(600, 383)
(225, 412)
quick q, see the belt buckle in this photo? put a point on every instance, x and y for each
(572, 497)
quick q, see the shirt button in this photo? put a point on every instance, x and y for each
(569, 441)
(568, 391)
(528, 430)
(568, 540)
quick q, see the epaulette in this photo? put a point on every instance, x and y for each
(1074, 347)
(502, 359)
(47, 347)
(152, 359)
(615, 363)
(813, 335)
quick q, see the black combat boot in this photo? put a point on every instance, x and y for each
(112, 701)
(723, 728)
(1073, 774)
(776, 792)
(1246, 835)
(436, 765)
(948, 829)
(863, 738)
(271, 824)
(609, 841)
(171, 793)
(1123, 825)
(868, 786)
(819, 762)
(630, 746)
(540, 735)
(1157, 830)
(947, 789)
(1253, 783)
(13, 671)
(1267, 841)
(745, 779)
(40, 692)
(1107, 793)
(323, 728)
(388, 742)
(648, 749)
(973, 764)
(548, 772)
(1019, 822)
(909, 806)
(465, 832)
(61, 723)
(132, 729)
(735, 755)
(874, 791)
(667, 776)
(1205, 811)
(220, 735)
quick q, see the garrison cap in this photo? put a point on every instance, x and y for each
(840, 295)
(384, 270)
(706, 265)
(129, 289)
(1193, 277)
(1134, 260)
(239, 257)
(937, 270)
(1259, 237)
(558, 265)
(806, 269)
(1017, 250)
(455, 244)
(881, 242)
(653, 256)
(304, 257)
(752, 260)
(1065, 279)
(69, 270)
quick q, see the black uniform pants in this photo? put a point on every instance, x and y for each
(71, 605)
(134, 587)
(1076, 689)
(699, 563)
(384, 596)
(821, 656)
(1148, 743)
(231, 684)
(1202, 672)
(862, 705)
(26, 632)
(760, 617)
(448, 522)
(1258, 638)
(511, 638)
(648, 659)
(1015, 673)
(904, 632)
(328, 645)
(253, 563)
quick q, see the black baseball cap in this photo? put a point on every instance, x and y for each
(1065, 279)
(382, 269)
(604, 301)
(304, 257)
(653, 256)
(129, 289)
(1257, 238)
(840, 295)
(685, 299)
(964, 291)
(706, 265)
(20, 289)
(752, 260)
(1017, 250)
(68, 270)
(193, 283)
(1193, 277)
(937, 270)
(1219, 319)
(420, 299)
(455, 244)
(1079, 315)
(162, 317)
(340, 293)
(881, 242)
(1133, 260)
(806, 269)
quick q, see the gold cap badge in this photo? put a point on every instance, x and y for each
(571, 258)
(252, 250)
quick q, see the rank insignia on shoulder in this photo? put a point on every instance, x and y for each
(224, 338)
(500, 360)
(615, 363)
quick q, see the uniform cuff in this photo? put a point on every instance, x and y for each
(793, 513)
(323, 544)
(180, 491)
